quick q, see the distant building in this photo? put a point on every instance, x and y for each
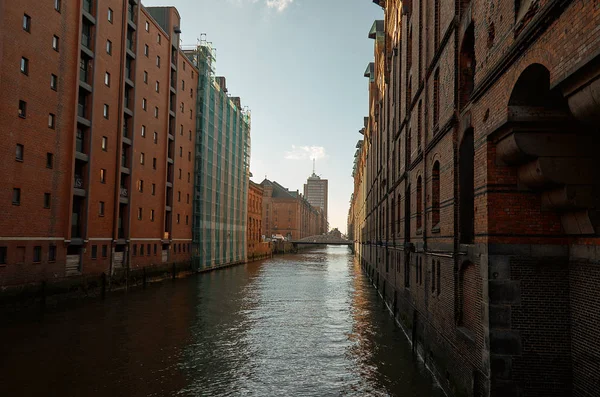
(221, 168)
(257, 248)
(288, 213)
(316, 191)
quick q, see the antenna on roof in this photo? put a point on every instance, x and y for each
(314, 160)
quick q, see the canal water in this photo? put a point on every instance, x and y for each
(296, 325)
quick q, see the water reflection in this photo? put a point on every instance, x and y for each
(294, 325)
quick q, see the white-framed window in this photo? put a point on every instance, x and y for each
(54, 82)
(143, 131)
(109, 47)
(147, 26)
(157, 86)
(105, 111)
(24, 66)
(57, 5)
(146, 49)
(144, 104)
(110, 15)
(104, 144)
(55, 41)
(107, 79)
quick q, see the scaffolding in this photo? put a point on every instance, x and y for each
(221, 167)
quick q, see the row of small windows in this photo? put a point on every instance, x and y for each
(20, 254)
(141, 217)
(20, 156)
(38, 253)
(16, 198)
(176, 247)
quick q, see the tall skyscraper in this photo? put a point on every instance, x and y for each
(315, 192)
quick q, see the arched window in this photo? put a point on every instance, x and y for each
(419, 202)
(467, 67)
(435, 195)
(466, 176)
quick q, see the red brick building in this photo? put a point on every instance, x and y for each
(288, 213)
(475, 205)
(98, 117)
(256, 246)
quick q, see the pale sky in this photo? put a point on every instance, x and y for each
(298, 65)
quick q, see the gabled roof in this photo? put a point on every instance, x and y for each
(377, 28)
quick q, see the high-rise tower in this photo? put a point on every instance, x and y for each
(315, 191)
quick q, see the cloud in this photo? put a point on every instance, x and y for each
(279, 5)
(305, 153)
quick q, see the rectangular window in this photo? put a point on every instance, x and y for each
(145, 77)
(94, 251)
(187, 199)
(142, 158)
(141, 249)
(20, 152)
(147, 26)
(110, 15)
(134, 253)
(105, 111)
(181, 130)
(154, 249)
(152, 215)
(189, 156)
(146, 49)
(182, 107)
(178, 219)
(154, 163)
(156, 112)
(141, 186)
(16, 197)
(102, 175)
(180, 151)
(182, 85)
(24, 66)
(49, 160)
(143, 131)
(148, 249)
(155, 137)
(52, 253)
(109, 47)
(57, 5)
(53, 81)
(101, 208)
(189, 177)
(107, 79)
(158, 61)
(104, 143)
(157, 87)
(37, 254)
(180, 173)
(26, 23)
(158, 38)
(22, 109)
(179, 196)
(104, 251)
(153, 189)
(51, 121)
(55, 43)
(47, 200)
(144, 104)
(140, 214)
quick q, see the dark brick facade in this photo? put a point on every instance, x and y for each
(475, 206)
